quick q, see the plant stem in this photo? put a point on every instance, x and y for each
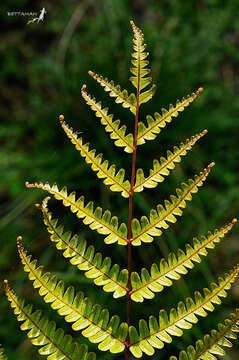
(127, 353)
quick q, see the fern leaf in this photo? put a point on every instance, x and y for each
(95, 322)
(213, 343)
(115, 180)
(103, 223)
(52, 341)
(140, 78)
(85, 258)
(147, 228)
(162, 168)
(122, 96)
(157, 332)
(154, 125)
(160, 276)
(116, 131)
(2, 355)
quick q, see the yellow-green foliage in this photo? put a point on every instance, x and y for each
(94, 321)
(213, 343)
(2, 355)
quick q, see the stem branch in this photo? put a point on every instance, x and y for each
(131, 193)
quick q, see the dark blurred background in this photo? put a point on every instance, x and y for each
(43, 66)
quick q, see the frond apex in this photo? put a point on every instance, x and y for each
(61, 117)
(140, 70)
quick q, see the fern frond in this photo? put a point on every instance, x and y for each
(122, 96)
(116, 181)
(52, 341)
(103, 223)
(144, 286)
(95, 322)
(212, 343)
(2, 355)
(158, 332)
(85, 258)
(162, 168)
(154, 125)
(149, 227)
(140, 80)
(116, 131)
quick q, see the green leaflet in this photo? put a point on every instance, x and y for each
(85, 258)
(149, 227)
(115, 180)
(53, 343)
(162, 168)
(122, 97)
(2, 355)
(154, 125)
(213, 343)
(144, 286)
(140, 78)
(103, 223)
(94, 322)
(117, 132)
(157, 332)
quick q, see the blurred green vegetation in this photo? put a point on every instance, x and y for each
(43, 66)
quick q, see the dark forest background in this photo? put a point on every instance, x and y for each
(43, 66)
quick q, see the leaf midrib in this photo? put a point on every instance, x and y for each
(179, 263)
(33, 322)
(118, 94)
(107, 175)
(185, 147)
(62, 301)
(82, 256)
(234, 273)
(221, 335)
(173, 208)
(105, 117)
(52, 191)
(164, 118)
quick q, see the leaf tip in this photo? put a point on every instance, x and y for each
(61, 118)
(200, 90)
(205, 132)
(19, 242)
(83, 87)
(5, 284)
(234, 221)
(211, 165)
(90, 73)
(45, 201)
(37, 205)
